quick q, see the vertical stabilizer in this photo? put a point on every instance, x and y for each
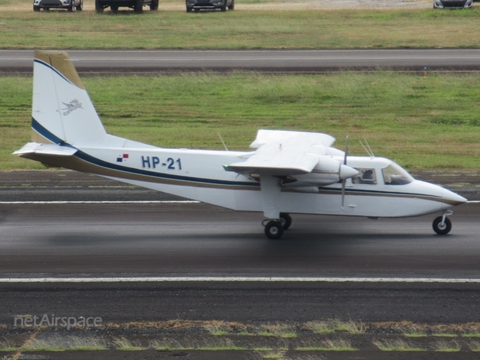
(62, 111)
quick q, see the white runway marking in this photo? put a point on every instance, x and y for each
(239, 279)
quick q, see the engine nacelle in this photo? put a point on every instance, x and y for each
(327, 171)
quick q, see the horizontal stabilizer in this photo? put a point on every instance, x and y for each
(46, 149)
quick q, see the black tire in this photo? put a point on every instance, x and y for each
(98, 6)
(114, 8)
(189, 9)
(138, 8)
(36, 8)
(154, 5)
(232, 5)
(224, 6)
(286, 220)
(274, 230)
(80, 6)
(439, 229)
(72, 7)
(197, 10)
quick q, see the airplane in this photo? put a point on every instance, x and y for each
(287, 172)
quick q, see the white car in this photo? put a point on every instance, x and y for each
(70, 5)
(452, 4)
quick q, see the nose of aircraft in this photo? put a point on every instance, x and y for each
(453, 198)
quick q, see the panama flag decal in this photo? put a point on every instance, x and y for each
(122, 158)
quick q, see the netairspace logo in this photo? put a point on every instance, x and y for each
(57, 321)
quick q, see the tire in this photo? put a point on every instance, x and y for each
(72, 7)
(113, 8)
(36, 8)
(232, 5)
(98, 6)
(80, 6)
(274, 230)
(224, 6)
(286, 221)
(189, 9)
(138, 8)
(442, 230)
(154, 5)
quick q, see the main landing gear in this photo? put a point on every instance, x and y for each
(274, 228)
(442, 225)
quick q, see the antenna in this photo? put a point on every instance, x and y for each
(367, 148)
(223, 142)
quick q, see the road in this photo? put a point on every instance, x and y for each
(309, 61)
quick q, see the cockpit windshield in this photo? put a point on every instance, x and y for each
(395, 175)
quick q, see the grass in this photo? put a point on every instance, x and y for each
(197, 345)
(447, 346)
(277, 330)
(124, 344)
(331, 326)
(7, 345)
(304, 29)
(326, 345)
(474, 346)
(65, 343)
(396, 345)
(404, 117)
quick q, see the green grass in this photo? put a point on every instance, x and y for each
(396, 345)
(331, 326)
(447, 346)
(304, 29)
(326, 345)
(422, 123)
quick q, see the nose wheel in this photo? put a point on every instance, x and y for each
(442, 225)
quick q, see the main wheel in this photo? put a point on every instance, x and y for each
(80, 6)
(442, 229)
(274, 229)
(232, 5)
(154, 5)
(113, 8)
(224, 6)
(286, 220)
(138, 6)
(36, 8)
(72, 7)
(98, 6)
(189, 9)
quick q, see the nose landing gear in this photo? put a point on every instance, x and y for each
(442, 225)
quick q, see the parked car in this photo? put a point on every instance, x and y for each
(136, 5)
(70, 5)
(452, 4)
(198, 5)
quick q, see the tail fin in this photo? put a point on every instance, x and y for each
(62, 111)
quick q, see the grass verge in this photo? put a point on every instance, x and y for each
(300, 29)
(396, 345)
(403, 117)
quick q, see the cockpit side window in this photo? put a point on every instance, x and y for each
(395, 175)
(365, 176)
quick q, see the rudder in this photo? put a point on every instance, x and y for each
(62, 111)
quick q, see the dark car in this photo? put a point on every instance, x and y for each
(198, 5)
(136, 5)
(452, 4)
(70, 5)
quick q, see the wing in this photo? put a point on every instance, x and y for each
(283, 153)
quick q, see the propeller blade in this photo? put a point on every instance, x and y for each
(343, 193)
(344, 181)
(346, 152)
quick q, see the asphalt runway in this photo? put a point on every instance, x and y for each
(184, 239)
(308, 61)
(158, 239)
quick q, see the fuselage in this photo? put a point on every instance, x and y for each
(381, 189)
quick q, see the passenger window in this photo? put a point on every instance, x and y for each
(365, 176)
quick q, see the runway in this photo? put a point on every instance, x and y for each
(308, 61)
(145, 233)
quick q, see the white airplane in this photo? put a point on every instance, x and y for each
(288, 172)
